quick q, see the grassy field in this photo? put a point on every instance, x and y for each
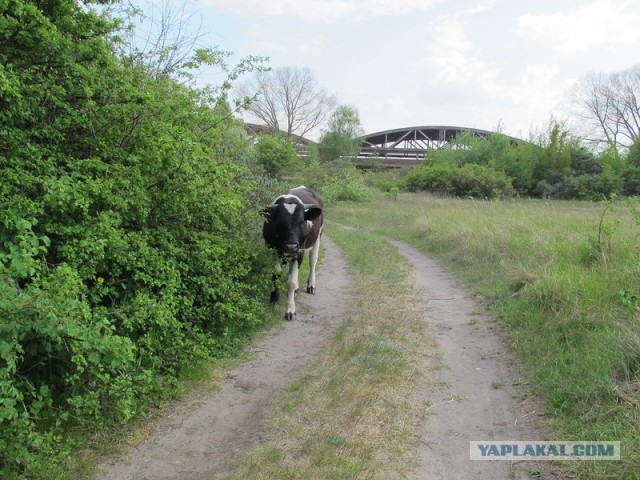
(563, 280)
(352, 415)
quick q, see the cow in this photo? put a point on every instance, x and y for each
(293, 225)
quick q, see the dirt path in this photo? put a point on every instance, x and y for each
(476, 399)
(204, 439)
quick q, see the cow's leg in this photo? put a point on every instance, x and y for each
(275, 294)
(292, 286)
(313, 259)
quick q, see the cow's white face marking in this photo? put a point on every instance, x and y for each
(291, 207)
(288, 196)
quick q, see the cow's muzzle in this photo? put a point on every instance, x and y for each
(291, 248)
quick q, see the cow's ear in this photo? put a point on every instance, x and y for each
(312, 213)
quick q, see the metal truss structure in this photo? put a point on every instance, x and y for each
(406, 146)
(393, 148)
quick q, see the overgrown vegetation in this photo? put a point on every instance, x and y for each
(562, 279)
(552, 165)
(468, 180)
(127, 241)
(276, 154)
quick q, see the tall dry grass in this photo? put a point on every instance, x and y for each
(563, 280)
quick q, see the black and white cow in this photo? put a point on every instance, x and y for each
(293, 225)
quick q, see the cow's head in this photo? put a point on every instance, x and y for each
(287, 224)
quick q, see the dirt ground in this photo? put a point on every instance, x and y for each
(477, 397)
(480, 396)
(203, 439)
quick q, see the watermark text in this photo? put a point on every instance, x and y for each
(539, 450)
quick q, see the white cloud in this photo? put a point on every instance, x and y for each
(322, 10)
(458, 64)
(599, 23)
(452, 59)
(311, 48)
(273, 47)
(314, 47)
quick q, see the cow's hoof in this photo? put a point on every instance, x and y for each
(311, 290)
(290, 316)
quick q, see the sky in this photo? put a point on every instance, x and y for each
(493, 64)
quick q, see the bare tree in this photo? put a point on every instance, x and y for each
(608, 107)
(164, 39)
(288, 99)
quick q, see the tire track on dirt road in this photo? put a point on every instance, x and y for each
(206, 437)
(477, 398)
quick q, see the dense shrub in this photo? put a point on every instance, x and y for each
(631, 181)
(469, 180)
(127, 244)
(582, 187)
(345, 185)
(275, 153)
(552, 165)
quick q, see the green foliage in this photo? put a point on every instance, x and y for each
(341, 137)
(386, 180)
(314, 174)
(275, 153)
(469, 180)
(345, 185)
(566, 170)
(127, 246)
(633, 156)
(631, 181)
(555, 165)
(628, 298)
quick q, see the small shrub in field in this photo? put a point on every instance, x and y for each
(469, 180)
(346, 185)
(385, 181)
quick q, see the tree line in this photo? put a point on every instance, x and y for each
(555, 164)
(596, 156)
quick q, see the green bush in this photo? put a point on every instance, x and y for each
(346, 185)
(275, 153)
(631, 181)
(127, 243)
(469, 180)
(582, 187)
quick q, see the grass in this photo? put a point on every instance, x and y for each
(563, 280)
(352, 414)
